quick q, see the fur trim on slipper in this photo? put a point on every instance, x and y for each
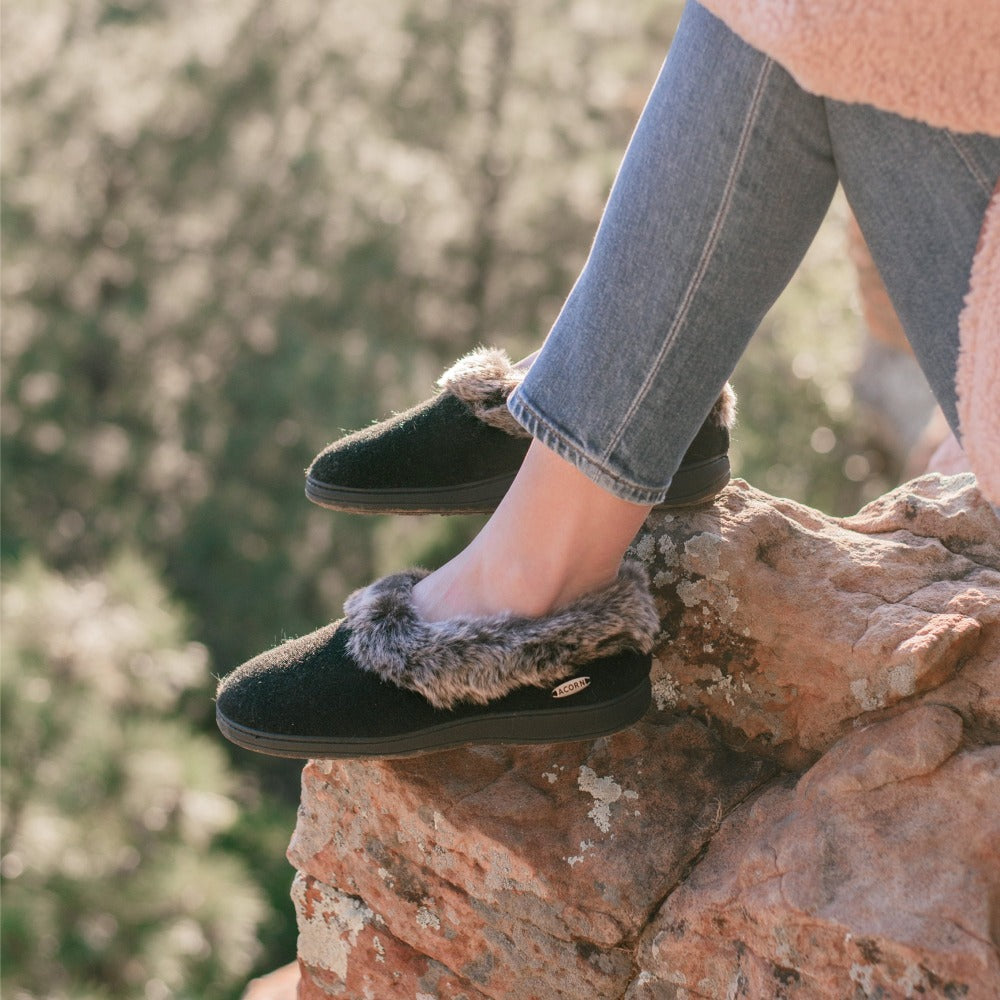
(480, 659)
(483, 380)
(723, 413)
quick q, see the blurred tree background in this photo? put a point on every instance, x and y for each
(231, 230)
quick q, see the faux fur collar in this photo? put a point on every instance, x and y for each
(723, 413)
(485, 378)
(480, 659)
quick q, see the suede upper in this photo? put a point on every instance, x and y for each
(436, 443)
(312, 687)
(711, 441)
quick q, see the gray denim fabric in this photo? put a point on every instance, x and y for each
(726, 179)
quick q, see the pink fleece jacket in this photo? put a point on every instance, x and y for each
(937, 61)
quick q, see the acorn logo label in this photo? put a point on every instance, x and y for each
(571, 687)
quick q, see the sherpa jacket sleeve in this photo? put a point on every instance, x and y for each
(937, 61)
(934, 60)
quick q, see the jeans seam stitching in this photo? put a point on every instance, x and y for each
(530, 410)
(969, 162)
(703, 261)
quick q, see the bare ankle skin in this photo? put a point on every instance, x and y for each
(555, 536)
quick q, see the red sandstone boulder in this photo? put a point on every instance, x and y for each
(876, 875)
(789, 627)
(672, 861)
(528, 873)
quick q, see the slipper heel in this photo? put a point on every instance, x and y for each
(697, 484)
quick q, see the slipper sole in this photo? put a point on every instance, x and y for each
(525, 726)
(481, 497)
(693, 485)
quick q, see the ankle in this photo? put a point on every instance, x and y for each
(578, 583)
(554, 537)
(478, 583)
(534, 588)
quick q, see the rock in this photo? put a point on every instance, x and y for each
(518, 873)
(673, 860)
(876, 875)
(346, 949)
(788, 627)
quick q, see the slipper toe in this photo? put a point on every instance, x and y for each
(435, 457)
(309, 690)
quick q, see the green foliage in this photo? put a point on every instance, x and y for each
(114, 882)
(231, 230)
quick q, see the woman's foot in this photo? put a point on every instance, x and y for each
(547, 639)
(555, 536)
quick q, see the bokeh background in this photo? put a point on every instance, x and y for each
(231, 229)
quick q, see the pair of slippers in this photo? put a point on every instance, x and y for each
(382, 682)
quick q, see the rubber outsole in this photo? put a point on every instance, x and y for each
(481, 497)
(693, 485)
(546, 725)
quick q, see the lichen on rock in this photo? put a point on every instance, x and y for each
(786, 626)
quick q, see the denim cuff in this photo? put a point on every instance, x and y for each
(544, 429)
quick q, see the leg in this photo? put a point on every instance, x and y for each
(919, 195)
(724, 184)
(556, 535)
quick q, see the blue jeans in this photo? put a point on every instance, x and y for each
(729, 173)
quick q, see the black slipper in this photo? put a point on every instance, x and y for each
(382, 682)
(458, 452)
